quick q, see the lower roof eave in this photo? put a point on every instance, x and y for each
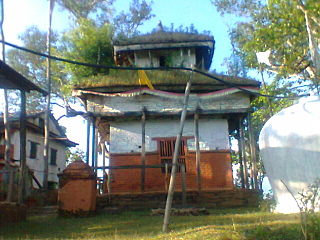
(137, 114)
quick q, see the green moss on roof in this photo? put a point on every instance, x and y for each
(161, 36)
(118, 78)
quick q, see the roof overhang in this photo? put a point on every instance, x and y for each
(164, 45)
(11, 79)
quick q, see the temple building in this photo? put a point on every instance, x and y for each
(137, 114)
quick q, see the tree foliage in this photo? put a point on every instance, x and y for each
(126, 24)
(33, 67)
(88, 43)
(83, 8)
(279, 26)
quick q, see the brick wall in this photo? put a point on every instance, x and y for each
(216, 172)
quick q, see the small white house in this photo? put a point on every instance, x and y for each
(35, 147)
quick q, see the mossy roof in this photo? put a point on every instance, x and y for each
(174, 80)
(164, 37)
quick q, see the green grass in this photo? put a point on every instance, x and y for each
(157, 77)
(229, 224)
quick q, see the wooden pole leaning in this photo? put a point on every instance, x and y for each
(175, 157)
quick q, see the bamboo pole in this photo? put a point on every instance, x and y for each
(7, 137)
(196, 136)
(143, 149)
(48, 112)
(23, 137)
(175, 157)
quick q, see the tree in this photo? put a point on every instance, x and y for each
(83, 8)
(33, 67)
(126, 24)
(289, 29)
(88, 43)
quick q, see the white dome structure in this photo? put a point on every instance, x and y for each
(290, 150)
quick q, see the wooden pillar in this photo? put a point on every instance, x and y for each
(240, 156)
(183, 185)
(253, 152)
(143, 149)
(196, 138)
(175, 158)
(104, 183)
(96, 148)
(23, 137)
(243, 150)
(88, 143)
(93, 141)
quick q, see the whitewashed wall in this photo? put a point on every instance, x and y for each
(38, 164)
(126, 136)
(118, 104)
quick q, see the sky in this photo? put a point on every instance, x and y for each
(19, 14)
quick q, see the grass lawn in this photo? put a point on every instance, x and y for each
(229, 224)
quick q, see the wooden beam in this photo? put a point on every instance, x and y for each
(175, 158)
(143, 149)
(196, 139)
(23, 155)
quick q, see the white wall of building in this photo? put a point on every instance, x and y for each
(37, 164)
(126, 136)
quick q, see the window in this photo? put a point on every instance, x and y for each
(166, 151)
(53, 156)
(33, 150)
(162, 61)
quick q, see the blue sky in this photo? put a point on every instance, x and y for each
(22, 13)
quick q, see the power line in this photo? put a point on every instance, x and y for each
(230, 84)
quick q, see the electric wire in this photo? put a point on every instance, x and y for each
(230, 84)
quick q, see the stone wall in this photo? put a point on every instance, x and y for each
(209, 199)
